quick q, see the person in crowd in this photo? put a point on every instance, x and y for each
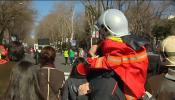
(154, 64)
(66, 56)
(23, 81)
(37, 56)
(10, 54)
(71, 56)
(163, 85)
(3, 54)
(76, 53)
(122, 62)
(81, 53)
(50, 79)
(76, 78)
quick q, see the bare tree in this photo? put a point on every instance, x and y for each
(57, 25)
(141, 14)
(94, 8)
(16, 18)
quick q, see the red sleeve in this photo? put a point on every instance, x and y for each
(98, 63)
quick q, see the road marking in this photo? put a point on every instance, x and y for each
(66, 74)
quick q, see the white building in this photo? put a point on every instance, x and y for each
(171, 16)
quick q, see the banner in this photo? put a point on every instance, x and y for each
(73, 42)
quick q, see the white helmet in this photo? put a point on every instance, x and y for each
(114, 21)
(168, 49)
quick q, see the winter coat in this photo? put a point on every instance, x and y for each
(163, 85)
(56, 81)
(105, 85)
(23, 82)
(71, 54)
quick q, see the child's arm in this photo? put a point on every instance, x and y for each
(113, 61)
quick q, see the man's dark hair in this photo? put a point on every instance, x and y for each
(48, 55)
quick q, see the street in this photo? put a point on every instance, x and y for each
(59, 62)
(5, 70)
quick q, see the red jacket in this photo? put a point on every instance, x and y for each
(129, 64)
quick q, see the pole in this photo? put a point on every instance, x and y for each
(72, 35)
(91, 41)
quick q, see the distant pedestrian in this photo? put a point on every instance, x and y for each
(37, 56)
(50, 79)
(66, 56)
(71, 56)
(81, 53)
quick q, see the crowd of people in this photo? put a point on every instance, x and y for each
(70, 55)
(115, 69)
(34, 82)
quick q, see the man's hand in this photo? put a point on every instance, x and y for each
(83, 89)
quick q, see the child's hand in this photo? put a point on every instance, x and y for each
(96, 56)
(93, 50)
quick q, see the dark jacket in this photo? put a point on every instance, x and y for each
(70, 90)
(105, 85)
(163, 85)
(55, 84)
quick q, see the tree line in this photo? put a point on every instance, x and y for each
(16, 19)
(145, 18)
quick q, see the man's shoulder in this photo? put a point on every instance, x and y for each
(58, 71)
(24, 63)
(157, 78)
(53, 70)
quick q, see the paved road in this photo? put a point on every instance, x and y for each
(59, 62)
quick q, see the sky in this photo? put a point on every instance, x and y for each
(44, 7)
